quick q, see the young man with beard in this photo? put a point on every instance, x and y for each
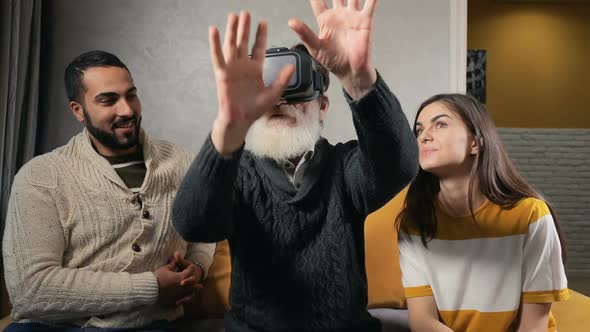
(291, 204)
(88, 239)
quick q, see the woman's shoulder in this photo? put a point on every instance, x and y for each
(533, 206)
(523, 213)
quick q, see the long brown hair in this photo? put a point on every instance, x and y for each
(492, 170)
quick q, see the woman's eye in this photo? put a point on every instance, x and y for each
(441, 125)
(419, 131)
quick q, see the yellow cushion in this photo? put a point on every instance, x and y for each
(572, 315)
(382, 256)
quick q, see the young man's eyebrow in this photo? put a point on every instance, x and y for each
(113, 94)
(105, 95)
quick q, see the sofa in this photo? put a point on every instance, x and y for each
(386, 296)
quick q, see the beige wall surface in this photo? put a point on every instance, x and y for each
(538, 61)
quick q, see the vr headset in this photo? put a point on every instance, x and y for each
(306, 83)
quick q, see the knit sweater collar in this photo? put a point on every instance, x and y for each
(88, 152)
(312, 174)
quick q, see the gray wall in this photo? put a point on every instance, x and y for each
(165, 45)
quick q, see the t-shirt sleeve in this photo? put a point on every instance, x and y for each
(414, 278)
(544, 279)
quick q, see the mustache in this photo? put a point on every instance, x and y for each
(122, 121)
(286, 109)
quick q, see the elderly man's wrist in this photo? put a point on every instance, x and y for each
(358, 84)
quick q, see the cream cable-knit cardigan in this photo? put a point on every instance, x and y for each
(79, 246)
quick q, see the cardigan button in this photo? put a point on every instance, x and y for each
(135, 247)
(146, 214)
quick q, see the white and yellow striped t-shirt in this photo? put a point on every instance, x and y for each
(480, 272)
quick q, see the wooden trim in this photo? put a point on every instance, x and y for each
(458, 46)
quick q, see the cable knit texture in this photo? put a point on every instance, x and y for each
(298, 255)
(79, 246)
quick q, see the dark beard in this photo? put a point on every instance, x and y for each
(109, 139)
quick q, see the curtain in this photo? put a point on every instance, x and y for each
(19, 89)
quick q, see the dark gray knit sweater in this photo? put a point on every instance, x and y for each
(298, 255)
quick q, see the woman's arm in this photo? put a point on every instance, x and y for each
(423, 315)
(534, 317)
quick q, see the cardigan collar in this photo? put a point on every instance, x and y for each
(102, 164)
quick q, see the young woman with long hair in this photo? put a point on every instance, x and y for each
(480, 248)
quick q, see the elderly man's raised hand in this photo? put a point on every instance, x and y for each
(343, 43)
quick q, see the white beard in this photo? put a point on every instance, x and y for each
(280, 142)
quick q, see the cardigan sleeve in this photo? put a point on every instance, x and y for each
(201, 253)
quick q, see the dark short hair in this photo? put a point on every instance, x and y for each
(75, 71)
(323, 71)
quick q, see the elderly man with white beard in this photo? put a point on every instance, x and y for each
(289, 133)
(291, 204)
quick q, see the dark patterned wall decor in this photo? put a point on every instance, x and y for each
(476, 74)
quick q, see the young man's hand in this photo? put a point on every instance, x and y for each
(177, 282)
(193, 281)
